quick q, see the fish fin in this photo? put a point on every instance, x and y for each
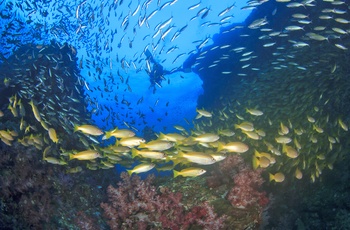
(108, 134)
(255, 162)
(176, 161)
(220, 146)
(176, 173)
(76, 128)
(161, 136)
(199, 116)
(134, 153)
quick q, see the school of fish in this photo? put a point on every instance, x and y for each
(293, 134)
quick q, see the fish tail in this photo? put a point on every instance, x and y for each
(220, 146)
(255, 162)
(71, 156)
(134, 153)
(75, 128)
(108, 134)
(129, 172)
(176, 173)
(284, 148)
(161, 136)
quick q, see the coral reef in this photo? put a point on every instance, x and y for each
(242, 184)
(25, 188)
(246, 183)
(38, 195)
(246, 191)
(136, 204)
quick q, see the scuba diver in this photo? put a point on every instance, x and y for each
(156, 73)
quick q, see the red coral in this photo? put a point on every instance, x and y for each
(135, 204)
(246, 183)
(245, 192)
(206, 217)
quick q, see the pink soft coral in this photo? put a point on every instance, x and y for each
(135, 204)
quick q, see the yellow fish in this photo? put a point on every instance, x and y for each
(85, 155)
(165, 168)
(254, 112)
(298, 174)
(13, 110)
(284, 129)
(189, 172)
(311, 119)
(7, 81)
(173, 137)
(245, 126)
(198, 157)
(260, 132)
(131, 141)
(278, 177)
(180, 128)
(207, 137)
(6, 135)
(35, 111)
(342, 125)
(218, 156)
(118, 133)
(203, 113)
(55, 161)
(283, 139)
(157, 145)
(297, 144)
(267, 155)
(144, 167)
(226, 132)
(262, 162)
(318, 129)
(290, 151)
(22, 111)
(88, 129)
(120, 149)
(7, 142)
(233, 147)
(251, 135)
(148, 154)
(44, 125)
(53, 135)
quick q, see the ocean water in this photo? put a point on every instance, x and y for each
(240, 110)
